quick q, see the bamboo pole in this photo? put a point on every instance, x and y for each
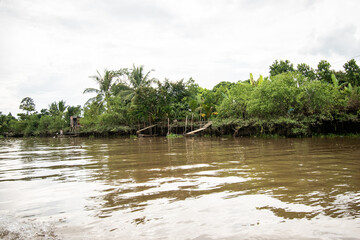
(200, 129)
(149, 127)
(168, 127)
(192, 120)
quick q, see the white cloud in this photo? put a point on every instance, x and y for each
(343, 42)
(48, 49)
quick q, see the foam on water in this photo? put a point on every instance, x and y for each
(12, 228)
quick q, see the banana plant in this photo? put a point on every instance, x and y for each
(257, 82)
(334, 80)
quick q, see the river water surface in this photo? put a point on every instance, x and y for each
(186, 188)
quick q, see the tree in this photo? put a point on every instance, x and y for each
(28, 105)
(306, 71)
(145, 104)
(107, 87)
(4, 124)
(91, 116)
(317, 97)
(352, 71)
(44, 112)
(58, 108)
(223, 84)
(276, 97)
(208, 102)
(138, 79)
(341, 77)
(281, 67)
(173, 98)
(44, 124)
(324, 72)
(234, 106)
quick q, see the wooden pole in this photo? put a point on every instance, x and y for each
(192, 120)
(150, 129)
(140, 130)
(186, 123)
(168, 127)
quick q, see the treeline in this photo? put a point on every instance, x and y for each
(292, 101)
(44, 123)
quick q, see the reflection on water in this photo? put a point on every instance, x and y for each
(187, 188)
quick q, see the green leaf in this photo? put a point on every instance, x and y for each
(260, 80)
(252, 79)
(334, 80)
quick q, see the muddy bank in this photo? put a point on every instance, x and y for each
(284, 127)
(244, 128)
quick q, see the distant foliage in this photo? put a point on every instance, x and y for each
(128, 99)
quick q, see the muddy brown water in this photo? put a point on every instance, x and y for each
(186, 188)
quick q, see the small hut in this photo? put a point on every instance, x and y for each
(74, 123)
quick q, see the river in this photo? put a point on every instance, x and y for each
(184, 188)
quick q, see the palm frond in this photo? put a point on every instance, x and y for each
(147, 75)
(90, 100)
(91, 90)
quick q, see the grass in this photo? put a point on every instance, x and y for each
(173, 135)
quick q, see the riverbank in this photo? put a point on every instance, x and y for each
(280, 127)
(285, 127)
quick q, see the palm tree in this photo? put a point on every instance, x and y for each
(58, 108)
(107, 87)
(111, 85)
(136, 79)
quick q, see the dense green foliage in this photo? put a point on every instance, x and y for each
(292, 101)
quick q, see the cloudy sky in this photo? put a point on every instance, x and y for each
(48, 49)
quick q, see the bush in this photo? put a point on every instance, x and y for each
(276, 97)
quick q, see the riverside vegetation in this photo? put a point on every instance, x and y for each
(299, 101)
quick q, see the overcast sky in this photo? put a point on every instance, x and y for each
(48, 49)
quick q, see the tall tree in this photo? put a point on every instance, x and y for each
(306, 71)
(352, 71)
(58, 108)
(145, 103)
(281, 67)
(28, 105)
(138, 78)
(324, 72)
(107, 86)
